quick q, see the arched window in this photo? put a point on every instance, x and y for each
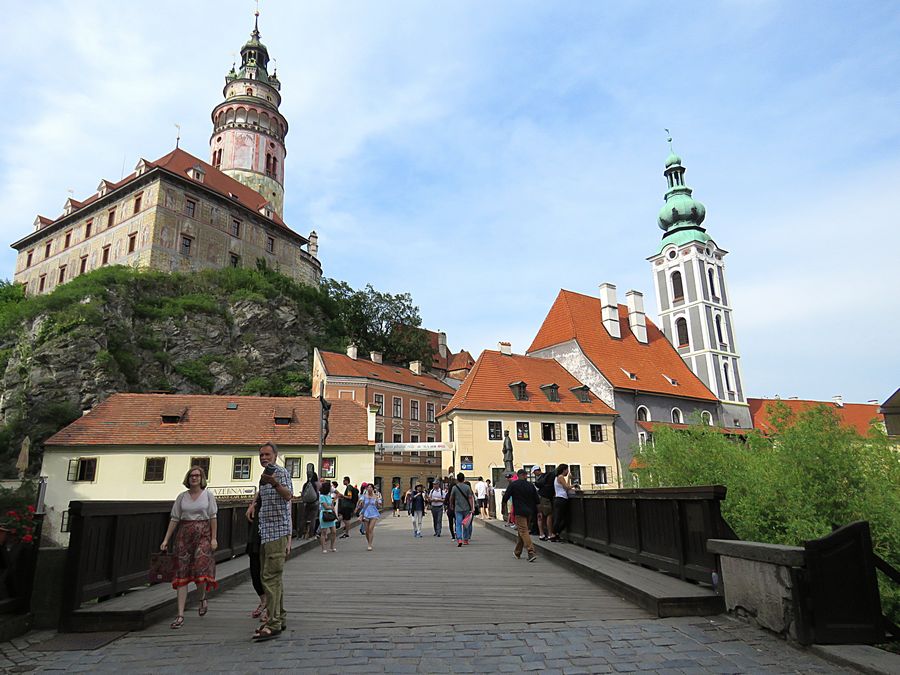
(719, 333)
(677, 287)
(706, 418)
(681, 331)
(727, 377)
(643, 414)
(712, 283)
(677, 417)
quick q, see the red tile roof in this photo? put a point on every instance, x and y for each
(461, 361)
(487, 387)
(179, 162)
(437, 361)
(136, 419)
(574, 316)
(729, 431)
(341, 365)
(856, 415)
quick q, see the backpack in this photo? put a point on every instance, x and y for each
(544, 485)
(309, 495)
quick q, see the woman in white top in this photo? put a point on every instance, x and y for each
(194, 514)
(562, 488)
(436, 499)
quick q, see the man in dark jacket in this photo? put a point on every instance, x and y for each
(525, 501)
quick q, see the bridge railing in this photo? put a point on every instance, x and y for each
(110, 544)
(662, 528)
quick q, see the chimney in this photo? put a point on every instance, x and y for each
(375, 356)
(313, 246)
(442, 344)
(352, 351)
(609, 309)
(838, 401)
(505, 348)
(636, 319)
(416, 367)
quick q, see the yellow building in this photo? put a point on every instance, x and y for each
(138, 447)
(551, 418)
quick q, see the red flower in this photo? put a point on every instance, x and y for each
(11, 513)
(31, 509)
(27, 539)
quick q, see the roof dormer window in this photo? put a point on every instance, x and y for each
(631, 376)
(103, 188)
(283, 415)
(582, 393)
(671, 380)
(551, 391)
(197, 173)
(519, 390)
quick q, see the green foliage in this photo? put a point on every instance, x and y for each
(280, 384)
(197, 372)
(811, 474)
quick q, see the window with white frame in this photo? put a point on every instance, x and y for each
(414, 410)
(677, 287)
(378, 400)
(294, 466)
(642, 438)
(571, 432)
(83, 469)
(154, 469)
(682, 339)
(706, 418)
(601, 477)
(548, 431)
(598, 433)
(429, 412)
(523, 431)
(643, 413)
(677, 417)
(495, 430)
(575, 473)
(398, 407)
(398, 438)
(240, 469)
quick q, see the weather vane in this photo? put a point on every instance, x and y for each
(178, 135)
(669, 134)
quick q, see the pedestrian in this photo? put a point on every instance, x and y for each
(368, 507)
(544, 484)
(328, 518)
(253, 556)
(194, 515)
(525, 501)
(275, 494)
(480, 488)
(309, 496)
(395, 497)
(462, 501)
(451, 515)
(562, 489)
(416, 506)
(347, 505)
(436, 499)
(492, 506)
(511, 515)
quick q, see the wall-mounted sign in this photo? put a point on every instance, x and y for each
(328, 466)
(465, 463)
(390, 447)
(234, 493)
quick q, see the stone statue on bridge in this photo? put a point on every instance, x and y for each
(507, 453)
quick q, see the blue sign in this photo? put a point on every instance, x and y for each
(465, 463)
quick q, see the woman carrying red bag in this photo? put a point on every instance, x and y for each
(194, 514)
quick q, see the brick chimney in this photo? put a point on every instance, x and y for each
(442, 344)
(609, 309)
(375, 356)
(416, 367)
(636, 319)
(352, 351)
(505, 348)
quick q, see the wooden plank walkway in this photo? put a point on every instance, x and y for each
(408, 582)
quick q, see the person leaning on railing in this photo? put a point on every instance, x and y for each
(194, 516)
(563, 489)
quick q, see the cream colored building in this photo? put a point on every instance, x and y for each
(550, 416)
(138, 447)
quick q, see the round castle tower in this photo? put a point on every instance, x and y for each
(247, 142)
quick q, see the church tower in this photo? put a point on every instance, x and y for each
(694, 305)
(247, 142)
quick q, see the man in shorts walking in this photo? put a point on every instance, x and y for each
(481, 496)
(395, 498)
(347, 505)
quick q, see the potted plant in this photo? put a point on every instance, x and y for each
(17, 524)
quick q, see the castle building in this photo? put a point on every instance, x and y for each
(695, 313)
(179, 213)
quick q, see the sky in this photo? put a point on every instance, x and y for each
(482, 156)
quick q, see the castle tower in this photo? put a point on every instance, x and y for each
(247, 142)
(694, 305)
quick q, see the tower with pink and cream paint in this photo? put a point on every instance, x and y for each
(247, 142)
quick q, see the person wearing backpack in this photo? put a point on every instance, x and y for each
(544, 484)
(309, 496)
(462, 503)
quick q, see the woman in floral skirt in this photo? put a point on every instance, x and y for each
(194, 516)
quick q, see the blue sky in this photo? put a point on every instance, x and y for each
(484, 155)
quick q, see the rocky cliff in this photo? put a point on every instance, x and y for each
(223, 332)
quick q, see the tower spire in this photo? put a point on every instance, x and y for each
(255, 33)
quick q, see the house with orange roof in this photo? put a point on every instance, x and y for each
(405, 401)
(136, 447)
(180, 213)
(859, 416)
(550, 416)
(626, 362)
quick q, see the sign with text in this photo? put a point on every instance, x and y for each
(394, 447)
(466, 463)
(234, 493)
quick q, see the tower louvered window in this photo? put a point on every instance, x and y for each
(681, 330)
(677, 287)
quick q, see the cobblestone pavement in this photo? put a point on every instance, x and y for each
(686, 646)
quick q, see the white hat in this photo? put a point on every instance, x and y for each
(536, 468)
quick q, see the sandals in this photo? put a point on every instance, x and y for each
(177, 623)
(265, 633)
(204, 607)
(258, 612)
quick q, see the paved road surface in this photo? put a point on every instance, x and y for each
(424, 605)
